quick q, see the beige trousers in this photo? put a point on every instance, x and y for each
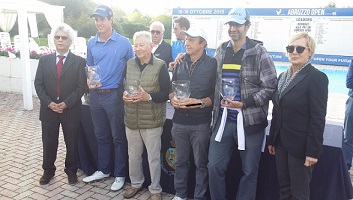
(136, 139)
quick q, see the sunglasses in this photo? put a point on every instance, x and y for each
(57, 37)
(155, 32)
(298, 49)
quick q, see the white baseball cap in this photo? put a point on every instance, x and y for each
(195, 32)
(238, 15)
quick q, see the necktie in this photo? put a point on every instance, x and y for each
(59, 67)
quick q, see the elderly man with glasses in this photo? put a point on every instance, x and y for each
(161, 49)
(60, 83)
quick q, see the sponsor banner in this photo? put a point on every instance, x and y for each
(330, 27)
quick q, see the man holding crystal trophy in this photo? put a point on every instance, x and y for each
(107, 55)
(146, 93)
(192, 97)
(246, 80)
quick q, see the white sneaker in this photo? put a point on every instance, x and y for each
(118, 183)
(178, 198)
(96, 176)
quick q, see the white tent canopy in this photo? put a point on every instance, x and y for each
(26, 10)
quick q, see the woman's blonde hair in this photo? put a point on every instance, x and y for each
(311, 44)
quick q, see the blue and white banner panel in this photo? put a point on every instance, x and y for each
(331, 27)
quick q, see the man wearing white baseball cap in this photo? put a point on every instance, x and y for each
(192, 117)
(238, 15)
(195, 32)
(247, 62)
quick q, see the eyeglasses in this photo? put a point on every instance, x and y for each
(298, 49)
(155, 32)
(231, 24)
(57, 37)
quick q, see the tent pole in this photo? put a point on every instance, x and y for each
(25, 62)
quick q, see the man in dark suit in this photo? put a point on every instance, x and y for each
(161, 49)
(60, 83)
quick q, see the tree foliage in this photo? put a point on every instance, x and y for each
(77, 15)
(137, 17)
(130, 28)
(167, 22)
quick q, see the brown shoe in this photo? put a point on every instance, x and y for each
(72, 178)
(45, 178)
(156, 196)
(131, 192)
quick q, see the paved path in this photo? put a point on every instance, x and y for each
(21, 156)
(21, 159)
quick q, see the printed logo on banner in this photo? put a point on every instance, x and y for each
(279, 11)
(168, 159)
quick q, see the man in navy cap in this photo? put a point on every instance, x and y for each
(240, 122)
(109, 51)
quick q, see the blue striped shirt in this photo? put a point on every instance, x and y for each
(231, 69)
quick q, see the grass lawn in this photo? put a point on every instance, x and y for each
(41, 41)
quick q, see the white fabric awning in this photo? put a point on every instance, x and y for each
(26, 10)
(7, 21)
(9, 10)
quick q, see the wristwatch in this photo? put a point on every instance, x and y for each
(202, 103)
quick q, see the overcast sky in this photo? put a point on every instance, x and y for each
(157, 7)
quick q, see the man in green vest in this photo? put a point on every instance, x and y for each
(145, 113)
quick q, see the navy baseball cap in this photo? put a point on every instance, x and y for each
(103, 11)
(238, 15)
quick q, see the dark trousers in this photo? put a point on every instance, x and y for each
(293, 176)
(348, 133)
(187, 138)
(50, 136)
(107, 111)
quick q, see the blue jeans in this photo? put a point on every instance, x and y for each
(107, 111)
(220, 154)
(348, 133)
(187, 138)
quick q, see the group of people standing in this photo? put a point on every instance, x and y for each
(203, 123)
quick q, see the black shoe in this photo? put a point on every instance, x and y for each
(72, 179)
(45, 178)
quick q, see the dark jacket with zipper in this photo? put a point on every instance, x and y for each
(202, 81)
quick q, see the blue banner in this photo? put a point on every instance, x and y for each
(330, 27)
(317, 59)
(268, 11)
